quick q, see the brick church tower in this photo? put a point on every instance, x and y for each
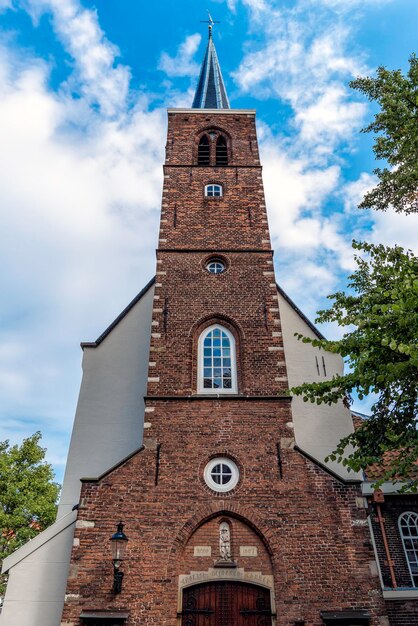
(231, 514)
(229, 524)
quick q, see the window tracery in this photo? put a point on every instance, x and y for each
(217, 361)
(408, 528)
(212, 149)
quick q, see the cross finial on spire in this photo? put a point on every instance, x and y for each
(211, 22)
(210, 92)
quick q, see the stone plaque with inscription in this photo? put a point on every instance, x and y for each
(248, 551)
(202, 551)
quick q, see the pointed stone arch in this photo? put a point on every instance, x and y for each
(213, 135)
(211, 511)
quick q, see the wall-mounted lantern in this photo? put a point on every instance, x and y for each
(118, 542)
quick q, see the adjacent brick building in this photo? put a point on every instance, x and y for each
(232, 516)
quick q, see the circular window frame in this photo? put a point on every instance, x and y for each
(235, 474)
(215, 258)
(216, 261)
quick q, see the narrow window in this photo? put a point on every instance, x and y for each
(221, 151)
(408, 528)
(203, 152)
(213, 191)
(317, 366)
(323, 366)
(217, 362)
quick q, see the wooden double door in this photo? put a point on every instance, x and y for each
(226, 603)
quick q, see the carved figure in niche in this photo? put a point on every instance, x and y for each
(225, 542)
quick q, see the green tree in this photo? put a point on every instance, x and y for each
(396, 140)
(380, 346)
(28, 495)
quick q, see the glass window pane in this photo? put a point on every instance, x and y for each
(215, 267)
(217, 362)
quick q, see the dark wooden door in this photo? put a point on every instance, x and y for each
(226, 603)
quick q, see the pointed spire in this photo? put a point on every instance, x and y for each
(210, 92)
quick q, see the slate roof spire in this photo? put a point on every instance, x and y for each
(210, 92)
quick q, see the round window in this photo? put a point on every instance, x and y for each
(221, 474)
(215, 266)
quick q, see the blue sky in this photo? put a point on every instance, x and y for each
(84, 87)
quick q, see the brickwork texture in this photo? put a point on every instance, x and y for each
(290, 521)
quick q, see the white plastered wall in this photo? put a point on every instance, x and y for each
(38, 576)
(318, 428)
(109, 419)
(108, 427)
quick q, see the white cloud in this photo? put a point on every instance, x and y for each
(392, 228)
(329, 119)
(345, 5)
(97, 76)
(307, 64)
(81, 189)
(312, 250)
(305, 57)
(182, 64)
(354, 191)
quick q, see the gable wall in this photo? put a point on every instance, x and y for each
(109, 419)
(318, 428)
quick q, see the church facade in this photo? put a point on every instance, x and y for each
(186, 434)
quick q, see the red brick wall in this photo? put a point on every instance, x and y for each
(310, 523)
(188, 296)
(403, 613)
(309, 529)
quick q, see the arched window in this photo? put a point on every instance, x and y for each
(213, 191)
(217, 361)
(408, 528)
(221, 151)
(203, 153)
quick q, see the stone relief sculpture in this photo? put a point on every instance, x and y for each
(225, 542)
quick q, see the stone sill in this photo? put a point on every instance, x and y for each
(400, 594)
(227, 396)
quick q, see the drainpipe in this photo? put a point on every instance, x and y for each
(378, 499)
